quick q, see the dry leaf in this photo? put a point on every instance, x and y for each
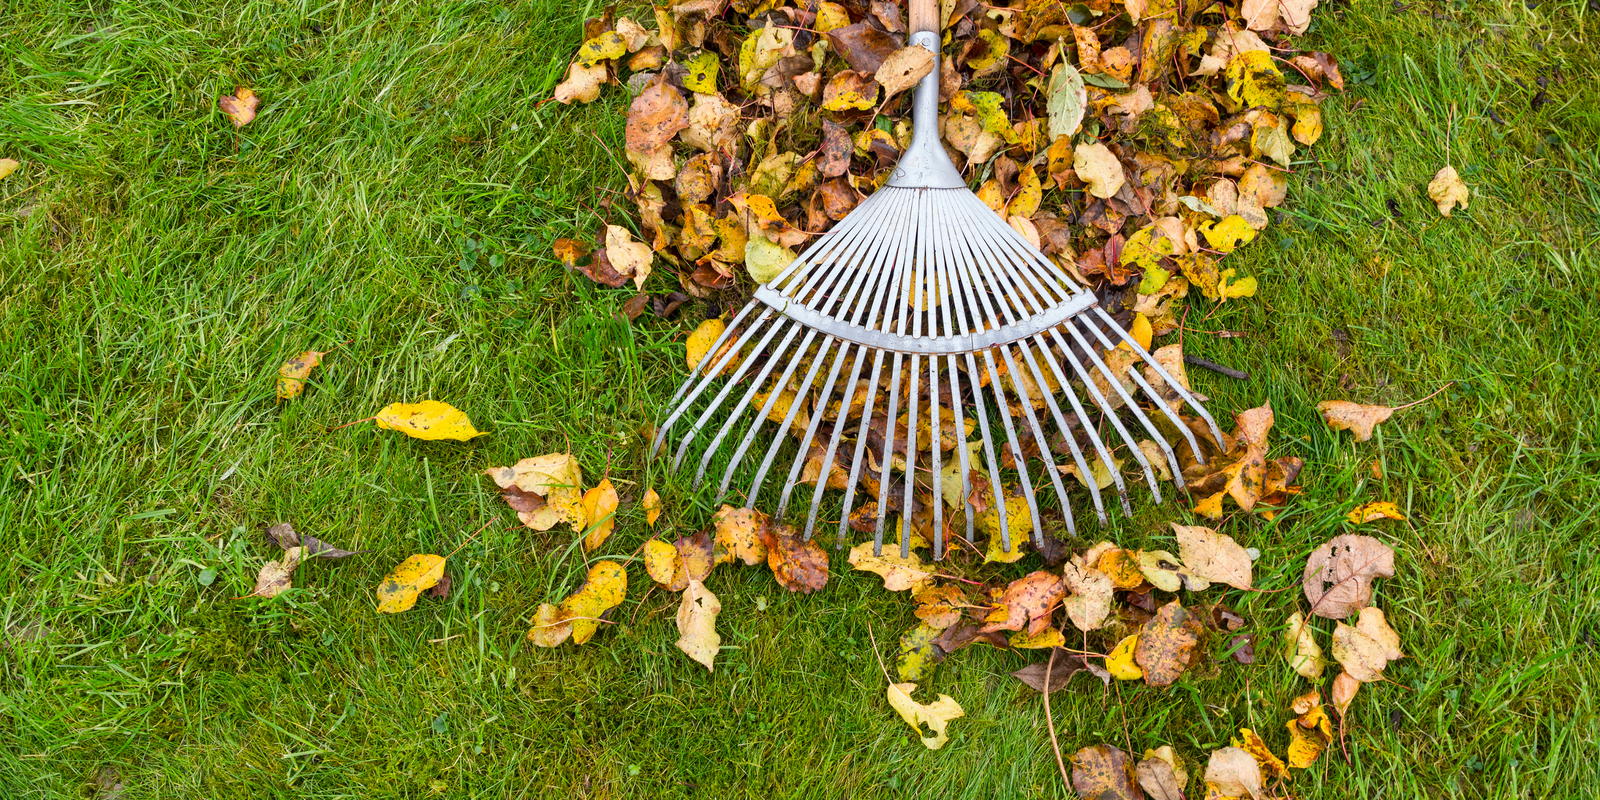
(935, 715)
(8, 166)
(1301, 648)
(1103, 772)
(1270, 764)
(582, 84)
(655, 116)
(697, 620)
(1310, 732)
(798, 565)
(1167, 644)
(1359, 419)
(429, 419)
(1213, 556)
(1371, 512)
(1121, 662)
(903, 69)
(292, 375)
(1447, 191)
(899, 574)
(652, 507)
(1338, 575)
(739, 535)
(1089, 601)
(600, 513)
(241, 107)
(1344, 692)
(1026, 604)
(603, 589)
(285, 536)
(1162, 774)
(1066, 664)
(1233, 773)
(1097, 167)
(665, 566)
(628, 258)
(554, 477)
(276, 577)
(399, 589)
(700, 341)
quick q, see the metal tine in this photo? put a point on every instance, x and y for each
(1133, 407)
(849, 391)
(990, 279)
(704, 371)
(853, 223)
(904, 278)
(717, 371)
(911, 459)
(773, 396)
(730, 385)
(1194, 446)
(818, 407)
(948, 297)
(1005, 287)
(889, 265)
(1161, 403)
(919, 269)
(1104, 405)
(1162, 371)
(1083, 422)
(936, 455)
(844, 266)
(927, 292)
(887, 456)
(777, 356)
(974, 285)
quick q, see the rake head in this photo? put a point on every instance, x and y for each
(920, 318)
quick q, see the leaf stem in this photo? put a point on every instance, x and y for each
(1425, 399)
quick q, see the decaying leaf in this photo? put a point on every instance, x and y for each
(702, 338)
(285, 536)
(429, 419)
(1213, 556)
(556, 479)
(665, 566)
(1310, 731)
(1103, 772)
(651, 504)
(1249, 741)
(1162, 774)
(1099, 168)
(1344, 692)
(1089, 600)
(903, 69)
(1061, 666)
(1338, 575)
(697, 620)
(799, 565)
(242, 104)
(1301, 648)
(292, 375)
(935, 715)
(1026, 604)
(1168, 643)
(739, 535)
(578, 616)
(1121, 661)
(1447, 191)
(276, 577)
(1232, 772)
(600, 513)
(1367, 647)
(398, 591)
(899, 574)
(1372, 512)
(918, 654)
(1359, 419)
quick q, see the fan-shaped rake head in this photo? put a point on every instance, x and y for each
(919, 319)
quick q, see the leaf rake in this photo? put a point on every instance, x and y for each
(925, 287)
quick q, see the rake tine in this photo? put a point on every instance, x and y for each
(1194, 446)
(1161, 403)
(1066, 433)
(887, 457)
(935, 445)
(1102, 403)
(861, 442)
(1166, 376)
(1133, 407)
(1038, 432)
(705, 373)
(1083, 422)
(849, 392)
(951, 301)
(727, 389)
(766, 410)
(755, 388)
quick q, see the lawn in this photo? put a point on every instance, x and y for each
(398, 197)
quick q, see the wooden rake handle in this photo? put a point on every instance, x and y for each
(924, 15)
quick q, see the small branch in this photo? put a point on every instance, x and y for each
(1196, 361)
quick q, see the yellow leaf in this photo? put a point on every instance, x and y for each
(1371, 512)
(292, 375)
(399, 589)
(1121, 664)
(1250, 742)
(240, 106)
(850, 90)
(986, 107)
(765, 259)
(1301, 648)
(903, 69)
(557, 478)
(998, 48)
(1098, 168)
(1211, 507)
(665, 565)
(697, 620)
(429, 419)
(1357, 418)
(1244, 287)
(703, 337)
(1019, 526)
(605, 47)
(582, 84)
(831, 16)
(600, 509)
(652, 507)
(604, 589)
(701, 77)
(1447, 191)
(1145, 249)
(935, 715)
(1311, 732)
(550, 628)
(899, 574)
(1051, 637)
(8, 166)
(1254, 81)
(629, 258)
(739, 535)
(1026, 203)
(1228, 233)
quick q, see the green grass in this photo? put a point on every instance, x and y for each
(156, 267)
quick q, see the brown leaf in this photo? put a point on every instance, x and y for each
(956, 637)
(522, 501)
(1167, 644)
(1026, 603)
(1089, 603)
(834, 157)
(1103, 772)
(600, 271)
(1213, 556)
(863, 46)
(655, 116)
(903, 69)
(239, 106)
(1066, 664)
(838, 199)
(1342, 415)
(285, 536)
(1161, 774)
(798, 565)
(1338, 575)
(635, 306)
(1243, 648)
(1234, 773)
(440, 590)
(276, 577)
(696, 552)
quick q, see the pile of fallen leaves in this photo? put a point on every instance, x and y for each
(1135, 144)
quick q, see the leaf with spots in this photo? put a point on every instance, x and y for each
(799, 565)
(292, 375)
(398, 591)
(1168, 644)
(429, 419)
(1104, 772)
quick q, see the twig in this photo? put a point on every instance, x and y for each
(1425, 399)
(1196, 361)
(357, 422)
(469, 539)
(1050, 721)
